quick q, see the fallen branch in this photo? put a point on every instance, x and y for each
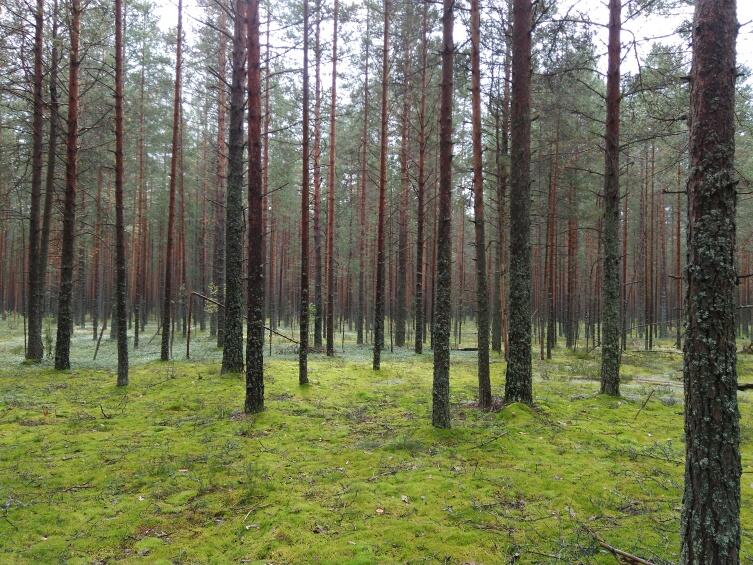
(650, 394)
(620, 555)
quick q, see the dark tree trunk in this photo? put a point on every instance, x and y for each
(610, 342)
(440, 416)
(710, 524)
(255, 329)
(34, 348)
(121, 310)
(518, 386)
(482, 303)
(331, 198)
(168, 288)
(421, 197)
(65, 320)
(303, 346)
(318, 303)
(232, 351)
(379, 295)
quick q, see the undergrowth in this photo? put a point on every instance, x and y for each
(347, 469)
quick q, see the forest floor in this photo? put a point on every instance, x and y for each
(345, 470)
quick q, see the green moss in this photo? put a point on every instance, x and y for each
(347, 470)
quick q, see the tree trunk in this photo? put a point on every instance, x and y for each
(331, 198)
(49, 195)
(482, 306)
(710, 523)
(421, 197)
(217, 323)
(232, 352)
(379, 295)
(610, 349)
(518, 386)
(402, 233)
(121, 310)
(360, 322)
(34, 348)
(255, 330)
(303, 345)
(168, 287)
(318, 303)
(65, 320)
(440, 417)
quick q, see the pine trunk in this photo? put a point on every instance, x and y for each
(440, 417)
(379, 294)
(169, 249)
(331, 198)
(482, 306)
(232, 351)
(121, 310)
(518, 386)
(65, 319)
(255, 330)
(710, 523)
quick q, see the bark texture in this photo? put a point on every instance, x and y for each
(379, 298)
(232, 351)
(255, 330)
(610, 328)
(710, 523)
(440, 414)
(65, 318)
(121, 310)
(518, 387)
(169, 250)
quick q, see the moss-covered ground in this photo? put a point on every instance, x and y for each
(346, 470)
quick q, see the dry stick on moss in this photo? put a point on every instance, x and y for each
(620, 555)
(650, 394)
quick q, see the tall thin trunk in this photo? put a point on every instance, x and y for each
(421, 196)
(678, 312)
(362, 193)
(482, 302)
(232, 351)
(401, 290)
(551, 246)
(140, 251)
(65, 320)
(318, 303)
(518, 386)
(331, 197)
(217, 323)
(572, 269)
(49, 195)
(255, 328)
(168, 286)
(269, 271)
(710, 523)
(121, 310)
(96, 256)
(303, 345)
(34, 348)
(379, 295)
(610, 349)
(440, 415)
